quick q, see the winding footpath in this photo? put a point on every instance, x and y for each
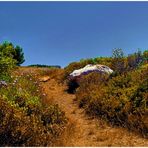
(84, 130)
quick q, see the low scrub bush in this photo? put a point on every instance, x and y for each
(121, 100)
(24, 119)
(40, 128)
(6, 66)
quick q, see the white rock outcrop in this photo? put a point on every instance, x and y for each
(91, 68)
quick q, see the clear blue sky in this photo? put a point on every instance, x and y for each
(57, 33)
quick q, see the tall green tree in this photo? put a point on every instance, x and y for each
(19, 55)
(8, 49)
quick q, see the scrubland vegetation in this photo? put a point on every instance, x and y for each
(120, 98)
(24, 119)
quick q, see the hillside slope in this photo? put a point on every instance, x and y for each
(86, 131)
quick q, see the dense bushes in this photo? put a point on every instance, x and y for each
(40, 128)
(121, 100)
(118, 61)
(122, 97)
(24, 119)
(6, 65)
(73, 84)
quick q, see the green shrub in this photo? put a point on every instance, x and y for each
(24, 119)
(121, 100)
(20, 129)
(6, 65)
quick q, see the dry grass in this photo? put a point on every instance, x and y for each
(25, 118)
(83, 130)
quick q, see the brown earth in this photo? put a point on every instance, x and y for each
(84, 130)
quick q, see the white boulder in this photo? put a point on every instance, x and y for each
(91, 68)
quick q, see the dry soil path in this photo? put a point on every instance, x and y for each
(86, 131)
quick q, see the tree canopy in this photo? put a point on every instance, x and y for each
(15, 52)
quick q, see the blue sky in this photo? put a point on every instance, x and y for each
(57, 33)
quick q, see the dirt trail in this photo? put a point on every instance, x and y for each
(86, 131)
